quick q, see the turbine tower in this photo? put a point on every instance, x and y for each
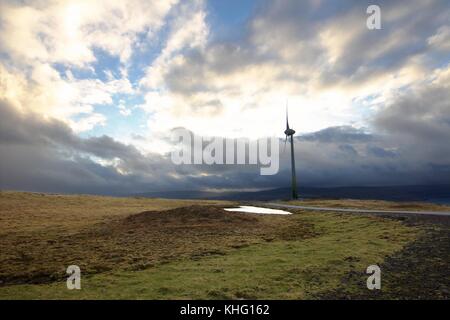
(290, 133)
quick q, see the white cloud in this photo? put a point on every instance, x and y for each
(67, 31)
(188, 30)
(441, 40)
(88, 123)
(37, 35)
(47, 93)
(124, 110)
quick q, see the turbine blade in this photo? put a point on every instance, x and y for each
(287, 116)
(285, 141)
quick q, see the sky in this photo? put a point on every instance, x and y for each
(91, 90)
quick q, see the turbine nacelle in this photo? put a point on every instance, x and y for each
(289, 132)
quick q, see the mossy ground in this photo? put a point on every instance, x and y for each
(303, 256)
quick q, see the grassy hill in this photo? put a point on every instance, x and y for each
(136, 248)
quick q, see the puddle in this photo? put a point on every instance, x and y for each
(259, 210)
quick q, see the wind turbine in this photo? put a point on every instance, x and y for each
(290, 133)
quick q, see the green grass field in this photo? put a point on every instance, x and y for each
(201, 255)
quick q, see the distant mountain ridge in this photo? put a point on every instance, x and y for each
(437, 193)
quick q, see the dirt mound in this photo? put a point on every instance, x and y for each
(193, 216)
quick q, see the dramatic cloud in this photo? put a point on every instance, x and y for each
(318, 55)
(90, 91)
(68, 31)
(45, 43)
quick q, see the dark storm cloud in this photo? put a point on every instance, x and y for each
(43, 155)
(348, 149)
(340, 134)
(423, 115)
(380, 152)
(410, 144)
(417, 122)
